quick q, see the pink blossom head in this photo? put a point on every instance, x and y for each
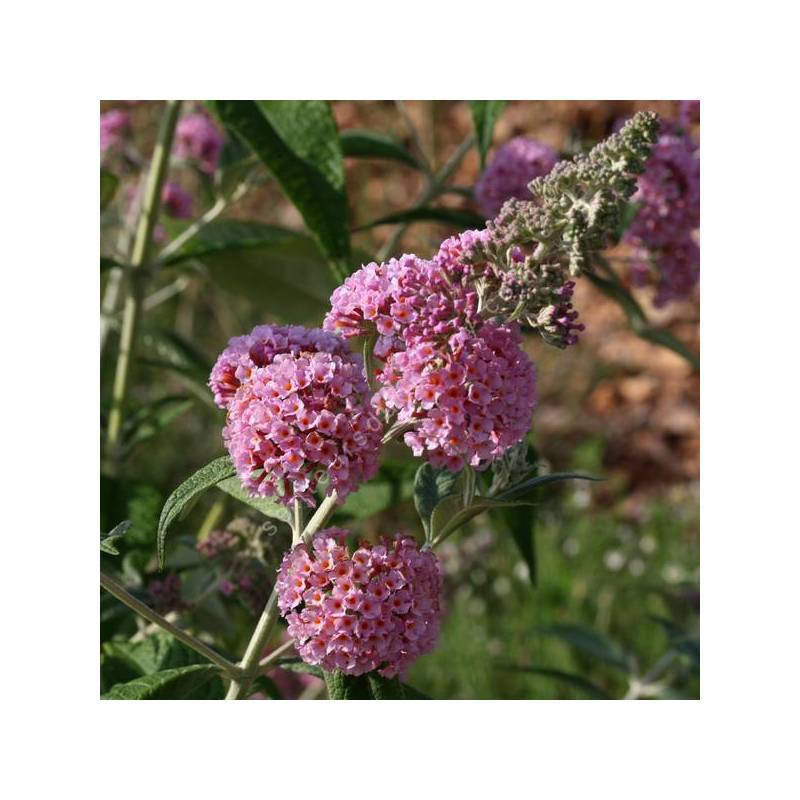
(665, 231)
(176, 200)
(471, 398)
(400, 300)
(513, 167)
(114, 127)
(374, 609)
(304, 414)
(258, 349)
(668, 193)
(198, 139)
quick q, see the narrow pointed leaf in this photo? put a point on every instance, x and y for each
(298, 142)
(210, 475)
(590, 689)
(459, 218)
(485, 114)
(370, 144)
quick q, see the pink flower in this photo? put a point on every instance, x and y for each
(177, 201)
(284, 431)
(469, 422)
(513, 167)
(665, 233)
(402, 300)
(114, 126)
(198, 139)
(259, 348)
(360, 635)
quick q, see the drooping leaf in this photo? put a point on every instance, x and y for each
(278, 270)
(108, 187)
(179, 501)
(485, 114)
(370, 144)
(459, 218)
(107, 541)
(520, 489)
(431, 486)
(586, 686)
(182, 683)
(521, 522)
(666, 339)
(613, 288)
(590, 643)
(298, 142)
(269, 508)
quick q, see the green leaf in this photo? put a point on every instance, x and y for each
(459, 218)
(348, 687)
(666, 339)
(613, 288)
(107, 541)
(594, 692)
(158, 651)
(521, 523)
(485, 114)
(179, 501)
(298, 142)
(431, 486)
(152, 419)
(620, 295)
(530, 484)
(414, 694)
(181, 683)
(298, 665)
(450, 514)
(370, 144)
(108, 188)
(269, 508)
(278, 270)
(591, 644)
(385, 688)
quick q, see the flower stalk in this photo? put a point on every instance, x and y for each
(125, 597)
(133, 302)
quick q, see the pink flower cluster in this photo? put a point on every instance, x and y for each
(665, 229)
(198, 139)
(513, 167)
(176, 200)
(114, 126)
(304, 414)
(259, 348)
(464, 382)
(471, 399)
(402, 300)
(374, 609)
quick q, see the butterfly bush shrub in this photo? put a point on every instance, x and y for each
(446, 364)
(427, 351)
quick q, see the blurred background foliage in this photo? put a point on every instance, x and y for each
(611, 606)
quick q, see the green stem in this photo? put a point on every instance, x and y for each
(141, 251)
(116, 589)
(249, 663)
(266, 663)
(435, 187)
